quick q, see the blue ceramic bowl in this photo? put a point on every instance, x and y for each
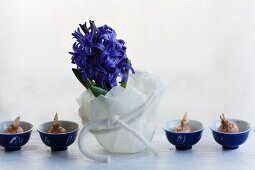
(183, 140)
(231, 140)
(58, 142)
(13, 142)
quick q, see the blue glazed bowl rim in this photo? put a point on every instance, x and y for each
(57, 134)
(13, 134)
(171, 131)
(213, 129)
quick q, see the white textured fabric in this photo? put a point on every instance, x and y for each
(136, 106)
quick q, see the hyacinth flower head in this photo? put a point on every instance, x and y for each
(100, 58)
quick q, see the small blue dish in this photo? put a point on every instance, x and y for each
(58, 142)
(13, 142)
(183, 140)
(231, 140)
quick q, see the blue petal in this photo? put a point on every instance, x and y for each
(99, 56)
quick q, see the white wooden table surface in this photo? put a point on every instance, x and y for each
(206, 155)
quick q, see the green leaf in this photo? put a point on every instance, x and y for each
(124, 83)
(97, 91)
(88, 83)
(93, 83)
(79, 77)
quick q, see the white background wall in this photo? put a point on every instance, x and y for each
(202, 49)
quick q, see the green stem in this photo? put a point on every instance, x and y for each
(124, 83)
